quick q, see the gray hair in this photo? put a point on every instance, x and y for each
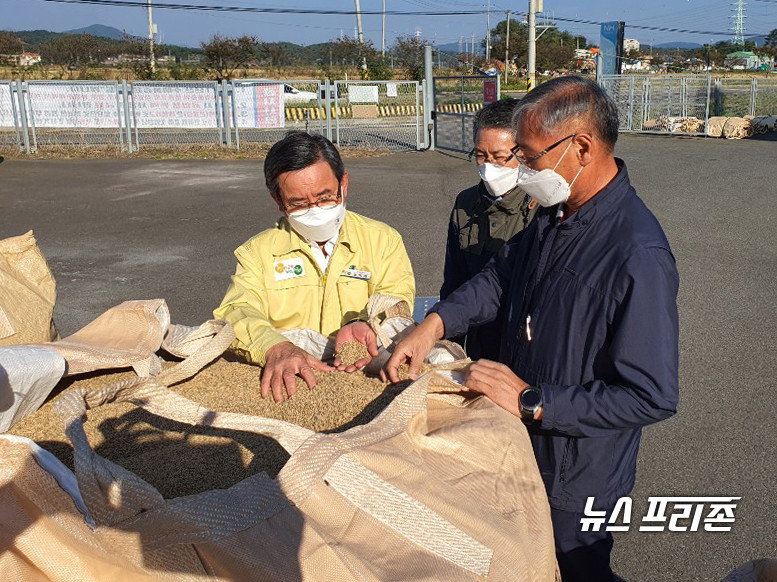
(567, 99)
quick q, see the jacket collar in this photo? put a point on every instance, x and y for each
(510, 203)
(288, 241)
(603, 202)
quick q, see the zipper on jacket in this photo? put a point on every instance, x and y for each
(562, 477)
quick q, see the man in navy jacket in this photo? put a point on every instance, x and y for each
(589, 336)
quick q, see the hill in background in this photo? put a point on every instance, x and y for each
(100, 30)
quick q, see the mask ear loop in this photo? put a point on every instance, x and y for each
(572, 183)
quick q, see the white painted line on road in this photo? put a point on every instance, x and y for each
(128, 196)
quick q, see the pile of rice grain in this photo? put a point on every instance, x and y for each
(181, 460)
(351, 352)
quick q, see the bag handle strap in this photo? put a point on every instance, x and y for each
(395, 306)
(111, 492)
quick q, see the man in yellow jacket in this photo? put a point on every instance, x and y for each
(315, 269)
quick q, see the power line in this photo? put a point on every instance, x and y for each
(319, 12)
(256, 9)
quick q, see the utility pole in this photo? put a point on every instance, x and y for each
(383, 33)
(532, 57)
(360, 33)
(358, 23)
(488, 33)
(152, 60)
(507, 47)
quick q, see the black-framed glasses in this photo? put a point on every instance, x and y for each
(302, 208)
(497, 161)
(524, 160)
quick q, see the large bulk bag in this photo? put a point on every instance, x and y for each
(27, 293)
(442, 485)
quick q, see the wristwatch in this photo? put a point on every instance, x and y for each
(530, 401)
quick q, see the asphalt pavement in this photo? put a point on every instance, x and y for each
(114, 230)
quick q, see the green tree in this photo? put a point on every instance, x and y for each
(224, 55)
(771, 39)
(409, 53)
(10, 44)
(276, 54)
(555, 48)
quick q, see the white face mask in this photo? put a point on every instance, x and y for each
(319, 224)
(546, 186)
(499, 180)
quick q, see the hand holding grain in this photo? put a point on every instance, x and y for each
(284, 362)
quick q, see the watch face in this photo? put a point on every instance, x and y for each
(531, 399)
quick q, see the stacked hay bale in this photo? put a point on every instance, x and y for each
(180, 459)
(731, 127)
(678, 124)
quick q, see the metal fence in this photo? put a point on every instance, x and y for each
(377, 114)
(9, 120)
(684, 103)
(176, 112)
(660, 104)
(262, 111)
(456, 100)
(77, 113)
(733, 97)
(144, 114)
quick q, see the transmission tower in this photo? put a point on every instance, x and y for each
(739, 22)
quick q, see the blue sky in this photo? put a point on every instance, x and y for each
(190, 28)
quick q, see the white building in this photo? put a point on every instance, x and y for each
(630, 44)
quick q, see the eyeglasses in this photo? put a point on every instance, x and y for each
(302, 208)
(524, 160)
(496, 160)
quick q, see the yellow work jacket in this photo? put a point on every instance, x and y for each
(279, 285)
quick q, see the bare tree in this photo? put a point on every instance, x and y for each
(224, 55)
(135, 50)
(70, 52)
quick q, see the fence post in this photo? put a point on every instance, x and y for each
(23, 116)
(753, 95)
(127, 120)
(337, 112)
(417, 118)
(631, 104)
(430, 97)
(718, 95)
(16, 116)
(328, 107)
(225, 85)
(234, 117)
(707, 108)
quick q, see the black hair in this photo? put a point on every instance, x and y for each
(496, 115)
(297, 151)
(566, 99)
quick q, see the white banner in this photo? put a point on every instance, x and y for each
(76, 105)
(175, 106)
(362, 93)
(6, 107)
(259, 106)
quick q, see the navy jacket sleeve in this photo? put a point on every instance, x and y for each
(455, 272)
(644, 353)
(477, 301)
